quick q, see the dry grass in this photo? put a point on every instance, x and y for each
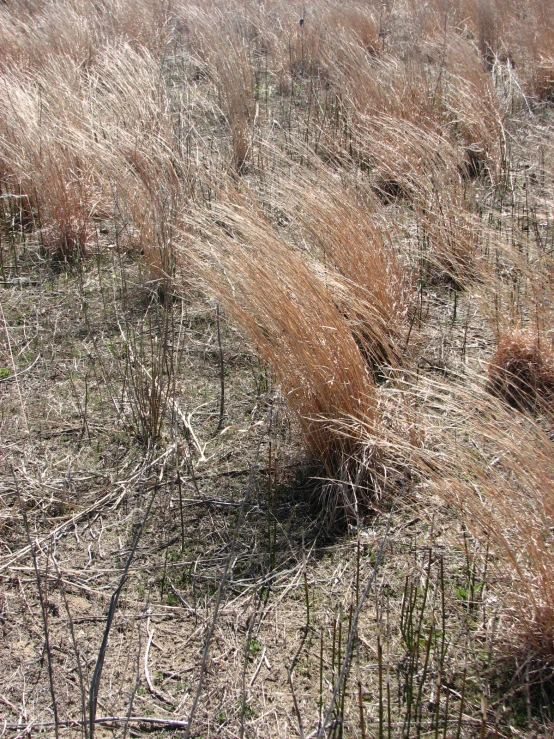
(492, 465)
(503, 487)
(522, 370)
(297, 240)
(342, 231)
(288, 313)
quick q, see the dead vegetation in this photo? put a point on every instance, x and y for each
(521, 371)
(276, 369)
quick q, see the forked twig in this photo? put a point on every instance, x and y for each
(187, 423)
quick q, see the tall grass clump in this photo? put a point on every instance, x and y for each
(225, 65)
(47, 156)
(145, 163)
(522, 370)
(346, 239)
(507, 497)
(493, 467)
(419, 170)
(424, 130)
(34, 34)
(286, 310)
(472, 108)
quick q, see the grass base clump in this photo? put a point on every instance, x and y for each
(522, 370)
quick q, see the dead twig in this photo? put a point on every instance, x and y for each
(42, 608)
(187, 423)
(221, 372)
(125, 484)
(61, 587)
(15, 373)
(168, 723)
(156, 693)
(21, 372)
(354, 628)
(95, 682)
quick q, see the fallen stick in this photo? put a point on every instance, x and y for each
(156, 693)
(167, 722)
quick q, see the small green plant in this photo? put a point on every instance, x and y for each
(254, 647)
(172, 600)
(246, 709)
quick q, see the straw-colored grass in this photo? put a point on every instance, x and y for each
(288, 313)
(492, 466)
(522, 370)
(340, 227)
(342, 182)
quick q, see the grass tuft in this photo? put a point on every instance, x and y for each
(521, 370)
